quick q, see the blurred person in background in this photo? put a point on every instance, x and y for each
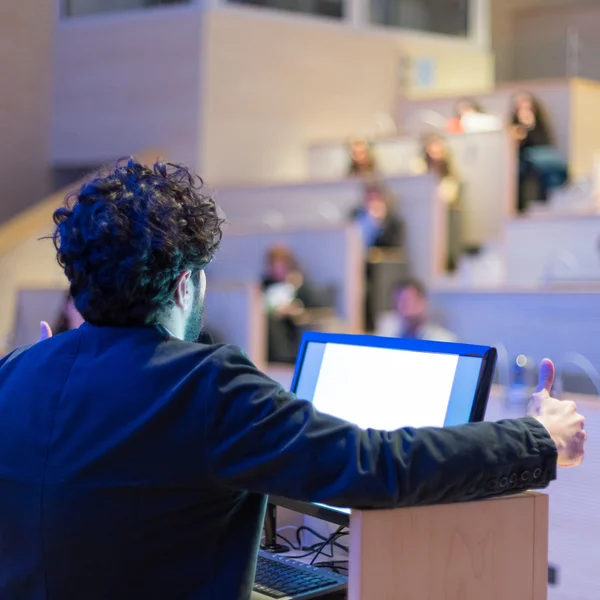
(362, 159)
(436, 159)
(411, 317)
(287, 295)
(541, 168)
(380, 225)
(382, 229)
(69, 317)
(465, 106)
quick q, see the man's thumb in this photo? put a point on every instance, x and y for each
(45, 331)
(546, 376)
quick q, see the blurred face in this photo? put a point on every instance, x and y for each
(435, 149)
(411, 306)
(525, 109)
(375, 205)
(359, 152)
(279, 269)
(195, 317)
(523, 100)
(526, 116)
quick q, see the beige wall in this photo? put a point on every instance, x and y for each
(25, 71)
(287, 82)
(503, 14)
(127, 82)
(457, 67)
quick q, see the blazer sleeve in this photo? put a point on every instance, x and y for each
(262, 439)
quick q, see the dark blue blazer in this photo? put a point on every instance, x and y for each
(135, 466)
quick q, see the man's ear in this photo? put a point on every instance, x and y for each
(183, 295)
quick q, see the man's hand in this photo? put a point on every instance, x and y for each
(45, 331)
(560, 418)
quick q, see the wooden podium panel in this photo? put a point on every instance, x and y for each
(487, 550)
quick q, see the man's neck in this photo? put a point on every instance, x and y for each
(172, 329)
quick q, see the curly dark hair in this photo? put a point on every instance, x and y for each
(124, 238)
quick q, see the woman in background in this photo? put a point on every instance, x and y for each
(540, 165)
(436, 160)
(362, 159)
(68, 318)
(286, 296)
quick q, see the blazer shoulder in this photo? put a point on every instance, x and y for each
(213, 354)
(14, 354)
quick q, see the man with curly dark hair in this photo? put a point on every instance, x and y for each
(134, 464)
(134, 245)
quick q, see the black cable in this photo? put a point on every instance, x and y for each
(312, 531)
(339, 531)
(323, 538)
(317, 549)
(332, 542)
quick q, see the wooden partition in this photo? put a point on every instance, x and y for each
(314, 204)
(34, 305)
(546, 248)
(234, 311)
(486, 164)
(493, 550)
(328, 255)
(539, 323)
(569, 104)
(394, 156)
(301, 203)
(425, 220)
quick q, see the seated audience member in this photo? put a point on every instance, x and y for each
(362, 160)
(466, 106)
(150, 458)
(382, 229)
(540, 164)
(436, 159)
(411, 316)
(287, 295)
(69, 317)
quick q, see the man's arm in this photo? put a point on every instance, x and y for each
(262, 439)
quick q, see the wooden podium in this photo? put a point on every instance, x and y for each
(487, 550)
